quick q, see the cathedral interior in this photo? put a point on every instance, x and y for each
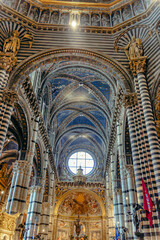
(79, 119)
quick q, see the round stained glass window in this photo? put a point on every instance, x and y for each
(83, 160)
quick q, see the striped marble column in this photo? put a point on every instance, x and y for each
(138, 68)
(44, 220)
(52, 203)
(122, 162)
(120, 208)
(115, 200)
(109, 219)
(51, 218)
(132, 193)
(130, 101)
(3, 81)
(34, 211)
(19, 187)
(33, 140)
(7, 103)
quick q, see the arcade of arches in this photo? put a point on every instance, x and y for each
(79, 119)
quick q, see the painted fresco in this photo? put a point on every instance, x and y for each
(79, 204)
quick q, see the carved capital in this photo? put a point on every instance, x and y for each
(10, 97)
(7, 221)
(130, 170)
(45, 205)
(118, 191)
(138, 65)
(7, 61)
(22, 166)
(130, 99)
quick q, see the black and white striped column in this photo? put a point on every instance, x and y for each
(34, 211)
(19, 187)
(33, 140)
(6, 108)
(122, 162)
(150, 127)
(114, 186)
(132, 193)
(44, 220)
(3, 81)
(52, 204)
(51, 219)
(110, 215)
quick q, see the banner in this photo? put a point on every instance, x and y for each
(117, 233)
(147, 203)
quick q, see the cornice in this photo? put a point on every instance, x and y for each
(86, 29)
(113, 4)
(87, 185)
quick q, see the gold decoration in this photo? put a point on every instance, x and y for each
(158, 127)
(134, 49)
(134, 52)
(130, 99)
(157, 105)
(10, 97)
(8, 222)
(12, 44)
(7, 61)
(11, 47)
(138, 65)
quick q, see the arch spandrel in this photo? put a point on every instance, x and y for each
(94, 59)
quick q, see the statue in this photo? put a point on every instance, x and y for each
(105, 20)
(127, 13)
(95, 19)
(138, 7)
(22, 230)
(116, 18)
(136, 221)
(124, 233)
(38, 236)
(23, 8)
(134, 49)
(12, 44)
(84, 19)
(44, 17)
(54, 18)
(78, 226)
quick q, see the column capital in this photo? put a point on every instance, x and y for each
(36, 188)
(22, 166)
(7, 61)
(138, 65)
(130, 170)
(124, 173)
(45, 205)
(118, 191)
(9, 97)
(130, 99)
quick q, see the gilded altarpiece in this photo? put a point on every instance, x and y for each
(83, 205)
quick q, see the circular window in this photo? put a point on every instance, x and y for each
(81, 159)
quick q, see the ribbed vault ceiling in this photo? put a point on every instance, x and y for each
(81, 100)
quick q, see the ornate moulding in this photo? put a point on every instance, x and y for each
(7, 225)
(60, 14)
